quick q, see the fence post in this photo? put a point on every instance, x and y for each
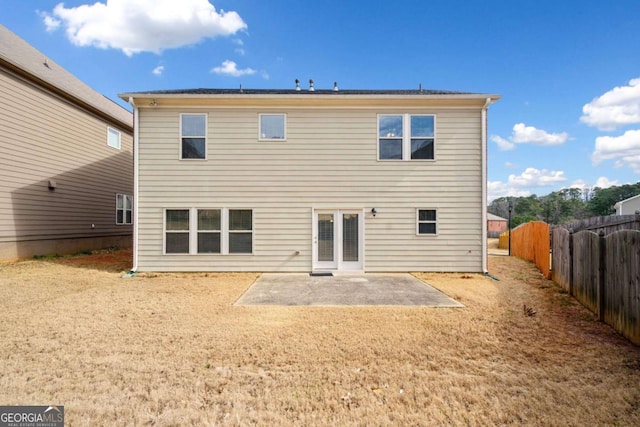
(571, 263)
(602, 269)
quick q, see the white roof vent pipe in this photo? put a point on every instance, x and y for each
(335, 86)
(311, 88)
(297, 84)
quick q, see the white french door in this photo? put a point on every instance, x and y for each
(338, 239)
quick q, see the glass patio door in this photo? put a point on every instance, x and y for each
(337, 240)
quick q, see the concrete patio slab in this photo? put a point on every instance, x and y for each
(344, 290)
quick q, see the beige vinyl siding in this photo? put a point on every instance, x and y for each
(42, 138)
(329, 160)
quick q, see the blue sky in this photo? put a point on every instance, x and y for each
(568, 71)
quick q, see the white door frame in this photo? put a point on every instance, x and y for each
(338, 263)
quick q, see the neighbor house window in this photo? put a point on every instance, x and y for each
(406, 137)
(240, 231)
(177, 231)
(113, 138)
(209, 228)
(208, 231)
(124, 207)
(273, 127)
(426, 221)
(193, 136)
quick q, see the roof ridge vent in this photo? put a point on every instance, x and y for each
(335, 86)
(297, 85)
(311, 88)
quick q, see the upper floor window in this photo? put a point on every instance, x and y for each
(124, 208)
(193, 136)
(406, 137)
(273, 127)
(113, 138)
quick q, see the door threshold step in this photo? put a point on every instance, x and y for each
(321, 274)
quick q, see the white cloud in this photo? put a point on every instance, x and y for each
(50, 22)
(158, 70)
(523, 134)
(496, 189)
(230, 68)
(617, 107)
(604, 182)
(240, 51)
(533, 177)
(502, 143)
(143, 25)
(625, 149)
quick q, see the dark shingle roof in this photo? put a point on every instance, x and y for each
(204, 91)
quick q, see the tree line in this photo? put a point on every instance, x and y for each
(564, 206)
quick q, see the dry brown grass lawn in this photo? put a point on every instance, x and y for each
(171, 349)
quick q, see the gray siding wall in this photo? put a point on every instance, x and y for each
(329, 160)
(42, 138)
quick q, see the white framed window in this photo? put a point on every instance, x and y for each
(193, 136)
(176, 226)
(406, 136)
(426, 222)
(240, 231)
(124, 209)
(208, 231)
(113, 138)
(273, 127)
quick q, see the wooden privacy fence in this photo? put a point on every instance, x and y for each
(530, 241)
(603, 273)
(503, 240)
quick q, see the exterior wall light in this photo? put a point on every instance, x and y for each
(374, 211)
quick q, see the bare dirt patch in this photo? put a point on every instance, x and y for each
(171, 349)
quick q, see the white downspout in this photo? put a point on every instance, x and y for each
(484, 186)
(136, 181)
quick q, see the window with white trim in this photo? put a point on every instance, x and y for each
(273, 127)
(208, 231)
(124, 209)
(426, 222)
(113, 138)
(193, 136)
(177, 227)
(240, 231)
(406, 136)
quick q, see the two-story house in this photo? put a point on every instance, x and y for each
(66, 159)
(310, 180)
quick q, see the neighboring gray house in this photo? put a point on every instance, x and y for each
(302, 180)
(66, 159)
(628, 206)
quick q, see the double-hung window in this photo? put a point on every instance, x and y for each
(209, 228)
(177, 225)
(113, 138)
(426, 222)
(193, 136)
(124, 207)
(208, 231)
(273, 127)
(406, 137)
(240, 231)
